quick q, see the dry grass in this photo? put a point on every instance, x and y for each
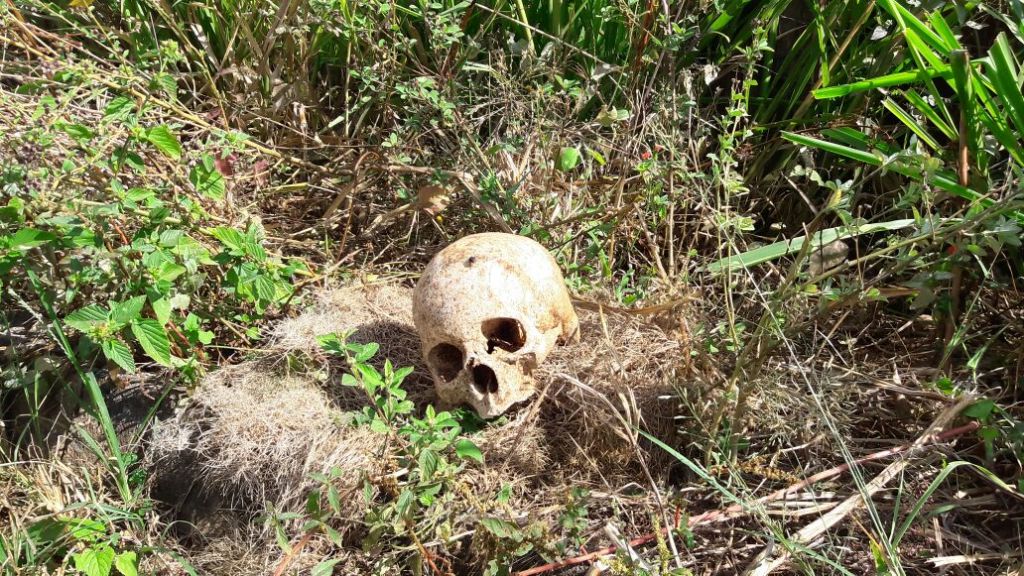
(253, 433)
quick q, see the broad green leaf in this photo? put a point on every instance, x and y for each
(980, 410)
(86, 318)
(77, 131)
(501, 528)
(428, 462)
(127, 563)
(95, 561)
(230, 238)
(466, 449)
(162, 309)
(165, 141)
(119, 353)
(122, 313)
(263, 288)
(29, 238)
(119, 107)
(784, 247)
(568, 158)
(206, 179)
(153, 339)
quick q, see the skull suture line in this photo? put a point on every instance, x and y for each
(489, 309)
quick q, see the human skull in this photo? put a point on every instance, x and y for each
(489, 309)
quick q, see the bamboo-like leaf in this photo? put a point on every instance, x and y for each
(909, 121)
(782, 248)
(929, 112)
(896, 79)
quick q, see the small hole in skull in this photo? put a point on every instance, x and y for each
(447, 360)
(504, 333)
(485, 380)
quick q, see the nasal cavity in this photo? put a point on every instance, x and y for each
(485, 380)
(505, 333)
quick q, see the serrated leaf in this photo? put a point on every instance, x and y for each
(119, 353)
(86, 318)
(428, 465)
(29, 238)
(153, 339)
(165, 141)
(230, 238)
(206, 179)
(127, 563)
(367, 351)
(263, 288)
(95, 561)
(568, 158)
(77, 131)
(122, 313)
(118, 107)
(467, 450)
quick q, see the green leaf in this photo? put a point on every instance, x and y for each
(84, 319)
(206, 179)
(366, 351)
(467, 450)
(501, 528)
(95, 561)
(980, 410)
(119, 107)
(165, 141)
(230, 238)
(127, 563)
(880, 82)
(263, 288)
(153, 339)
(122, 313)
(29, 238)
(568, 158)
(428, 465)
(325, 568)
(77, 131)
(119, 353)
(162, 309)
(784, 247)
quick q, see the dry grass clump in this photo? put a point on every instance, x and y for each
(257, 436)
(254, 433)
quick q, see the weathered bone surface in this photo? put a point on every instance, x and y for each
(489, 309)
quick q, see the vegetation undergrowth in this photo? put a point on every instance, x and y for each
(820, 200)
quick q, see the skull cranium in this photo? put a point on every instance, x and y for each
(489, 309)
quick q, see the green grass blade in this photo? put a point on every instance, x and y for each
(1003, 71)
(911, 123)
(886, 81)
(926, 110)
(785, 247)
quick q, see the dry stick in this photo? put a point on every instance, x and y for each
(764, 564)
(739, 509)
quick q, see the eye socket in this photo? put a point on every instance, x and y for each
(447, 359)
(505, 333)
